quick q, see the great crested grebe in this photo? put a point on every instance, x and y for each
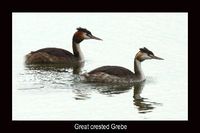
(117, 74)
(57, 55)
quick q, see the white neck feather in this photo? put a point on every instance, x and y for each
(77, 51)
(138, 70)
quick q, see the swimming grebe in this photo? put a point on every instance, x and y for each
(117, 74)
(57, 55)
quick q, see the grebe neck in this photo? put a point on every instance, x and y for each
(138, 70)
(76, 48)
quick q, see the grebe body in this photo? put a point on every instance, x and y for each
(58, 55)
(117, 74)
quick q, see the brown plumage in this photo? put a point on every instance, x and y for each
(50, 55)
(113, 70)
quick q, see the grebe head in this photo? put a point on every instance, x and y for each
(82, 34)
(145, 54)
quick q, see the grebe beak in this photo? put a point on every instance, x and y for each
(94, 37)
(155, 57)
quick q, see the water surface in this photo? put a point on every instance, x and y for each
(57, 94)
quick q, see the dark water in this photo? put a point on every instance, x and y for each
(55, 93)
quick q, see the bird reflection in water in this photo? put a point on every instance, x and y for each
(76, 68)
(143, 105)
(83, 92)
